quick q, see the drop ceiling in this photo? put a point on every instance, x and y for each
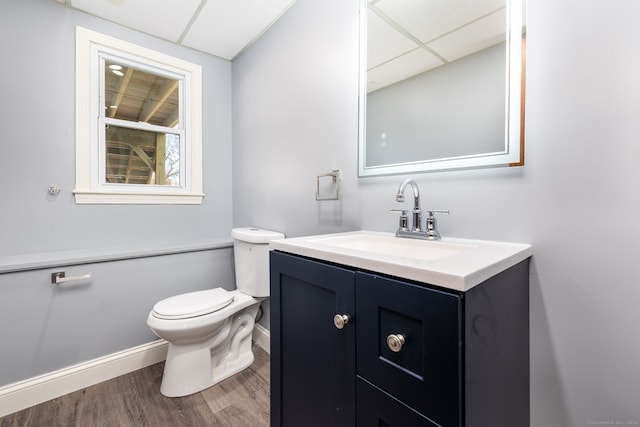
(405, 37)
(223, 28)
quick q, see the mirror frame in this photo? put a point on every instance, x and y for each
(513, 153)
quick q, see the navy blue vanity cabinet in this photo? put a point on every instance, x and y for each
(312, 362)
(410, 354)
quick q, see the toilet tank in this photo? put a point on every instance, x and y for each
(251, 254)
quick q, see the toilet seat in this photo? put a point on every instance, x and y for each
(192, 304)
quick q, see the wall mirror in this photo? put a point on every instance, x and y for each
(441, 85)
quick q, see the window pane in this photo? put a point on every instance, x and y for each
(135, 156)
(140, 96)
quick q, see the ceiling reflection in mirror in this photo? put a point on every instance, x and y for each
(441, 85)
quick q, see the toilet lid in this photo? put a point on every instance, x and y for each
(193, 304)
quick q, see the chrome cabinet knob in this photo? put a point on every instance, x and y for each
(339, 320)
(395, 342)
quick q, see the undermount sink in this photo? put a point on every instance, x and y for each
(452, 263)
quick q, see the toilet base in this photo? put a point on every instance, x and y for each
(171, 388)
(195, 367)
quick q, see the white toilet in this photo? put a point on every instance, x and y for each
(209, 332)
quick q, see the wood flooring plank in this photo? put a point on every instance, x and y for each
(244, 399)
(135, 400)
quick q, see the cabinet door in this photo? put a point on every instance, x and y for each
(425, 373)
(312, 361)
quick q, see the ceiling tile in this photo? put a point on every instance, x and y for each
(475, 37)
(429, 19)
(166, 19)
(401, 68)
(226, 27)
(383, 41)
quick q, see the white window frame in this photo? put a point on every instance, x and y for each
(90, 151)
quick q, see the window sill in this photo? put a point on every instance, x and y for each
(104, 198)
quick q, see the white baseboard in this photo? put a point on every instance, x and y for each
(262, 337)
(17, 396)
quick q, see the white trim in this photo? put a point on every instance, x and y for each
(17, 396)
(113, 198)
(262, 337)
(89, 188)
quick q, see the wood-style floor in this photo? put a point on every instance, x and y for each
(134, 399)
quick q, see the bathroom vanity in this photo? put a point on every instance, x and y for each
(369, 329)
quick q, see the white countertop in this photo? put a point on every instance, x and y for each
(452, 263)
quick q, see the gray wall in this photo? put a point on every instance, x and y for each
(295, 102)
(576, 200)
(46, 327)
(38, 141)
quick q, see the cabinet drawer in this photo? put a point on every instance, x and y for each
(377, 408)
(426, 372)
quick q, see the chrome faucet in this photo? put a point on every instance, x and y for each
(416, 231)
(417, 212)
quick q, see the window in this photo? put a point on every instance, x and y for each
(138, 124)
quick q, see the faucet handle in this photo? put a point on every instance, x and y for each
(403, 221)
(430, 212)
(431, 227)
